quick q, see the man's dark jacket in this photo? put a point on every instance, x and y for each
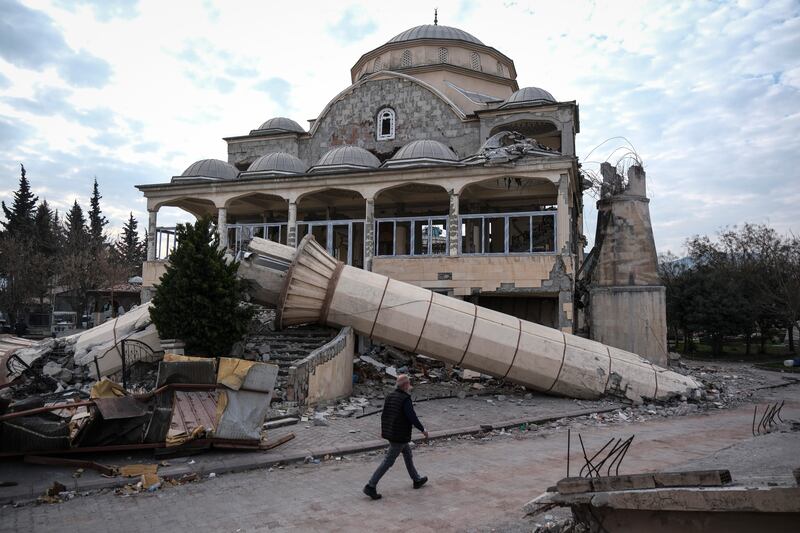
(398, 416)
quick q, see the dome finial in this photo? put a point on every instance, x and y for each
(435, 16)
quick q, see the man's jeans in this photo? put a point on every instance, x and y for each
(395, 449)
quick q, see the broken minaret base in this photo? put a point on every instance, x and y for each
(627, 300)
(309, 286)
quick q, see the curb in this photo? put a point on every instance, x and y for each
(249, 461)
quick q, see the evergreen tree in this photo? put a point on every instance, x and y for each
(77, 235)
(97, 221)
(19, 218)
(129, 250)
(199, 297)
(46, 230)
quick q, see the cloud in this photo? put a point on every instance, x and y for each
(351, 26)
(4, 81)
(51, 101)
(277, 88)
(12, 132)
(84, 70)
(105, 10)
(30, 40)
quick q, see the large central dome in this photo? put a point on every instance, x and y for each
(434, 31)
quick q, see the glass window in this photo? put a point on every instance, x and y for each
(386, 120)
(438, 237)
(519, 234)
(494, 235)
(302, 231)
(471, 235)
(340, 235)
(544, 233)
(421, 241)
(274, 234)
(385, 238)
(357, 243)
(402, 237)
(320, 233)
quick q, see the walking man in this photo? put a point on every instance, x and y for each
(396, 420)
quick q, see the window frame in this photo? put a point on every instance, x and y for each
(392, 116)
(506, 247)
(412, 239)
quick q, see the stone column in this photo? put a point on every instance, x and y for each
(152, 229)
(369, 233)
(222, 227)
(562, 218)
(453, 230)
(291, 226)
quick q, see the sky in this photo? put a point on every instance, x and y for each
(132, 92)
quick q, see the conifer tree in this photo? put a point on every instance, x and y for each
(77, 235)
(97, 221)
(199, 297)
(129, 250)
(19, 218)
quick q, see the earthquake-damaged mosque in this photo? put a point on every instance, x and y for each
(435, 168)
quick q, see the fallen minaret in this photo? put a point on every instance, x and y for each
(307, 285)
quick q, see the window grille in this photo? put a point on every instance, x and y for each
(378, 65)
(476, 61)
(405, 62)
(443, 55)
(499, 69)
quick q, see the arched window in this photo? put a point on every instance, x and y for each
(405, 62)
(443, 55)
(385, 129)
(378, 64)
(476, 61)
(499, 69)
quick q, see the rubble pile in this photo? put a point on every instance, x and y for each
(376, 371)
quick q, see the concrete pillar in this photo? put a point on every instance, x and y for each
(562, 218)
(369, 233)
(152, 229)
(453, 229)
(222, 227)
(291, 227)
(307, 286)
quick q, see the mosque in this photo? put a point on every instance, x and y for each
(433, 167)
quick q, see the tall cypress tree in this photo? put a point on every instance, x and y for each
(77, 235)
(46, 230)
(97, 221)
(19, 218)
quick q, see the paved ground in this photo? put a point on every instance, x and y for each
(475, 484)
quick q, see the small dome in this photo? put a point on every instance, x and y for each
(344, 158)
(434, 31)
(529, 96)
(213, 169)
(280, 124)
(422, 153)
(278, 163)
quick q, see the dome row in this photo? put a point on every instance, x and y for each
(339, 158)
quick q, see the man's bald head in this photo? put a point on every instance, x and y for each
(403, 382)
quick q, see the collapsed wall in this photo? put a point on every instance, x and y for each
(307, 285)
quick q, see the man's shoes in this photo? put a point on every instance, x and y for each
(373, 493)
(418, 483)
